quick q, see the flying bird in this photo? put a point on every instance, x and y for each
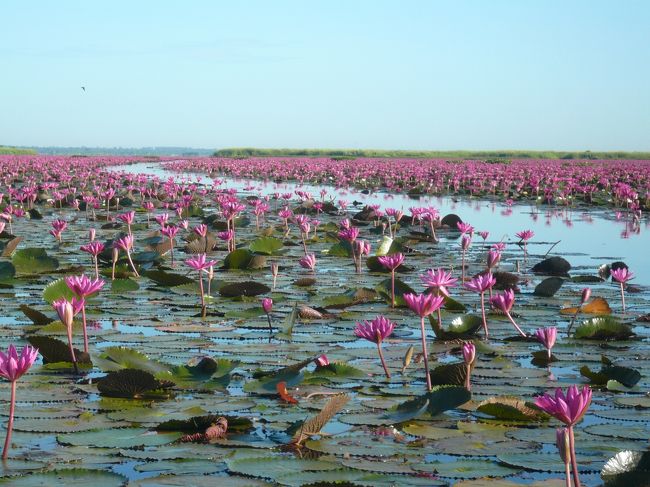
(83, 88)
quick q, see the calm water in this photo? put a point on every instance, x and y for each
(588, 237)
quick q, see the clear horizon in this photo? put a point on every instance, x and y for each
(413, 75)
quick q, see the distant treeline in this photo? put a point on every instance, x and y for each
(15, 150)
(493, 154)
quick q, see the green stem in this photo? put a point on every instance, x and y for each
(10, 423)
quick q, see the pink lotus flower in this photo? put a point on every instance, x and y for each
(376, 331)
(199, 263)
(66, 311)
(493, 258)
(201, 230)
(58, 226)
(480, 284)
(469, 355)
(12, 367)
(525, 236)
(321, 361)
(504, 302)
(391, 262)
(569, 409)
(622, 275)
(546, 336)
(94, 248)
(83, 287)
(440, 280)
(465, 228)
(484, 235)
(423, 305)
(349, 234)
(308, 262)
(127, 218)
(126, 244)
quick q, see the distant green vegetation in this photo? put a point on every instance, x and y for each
(15, 150)
(495, 155)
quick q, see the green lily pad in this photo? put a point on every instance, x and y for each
(118, 358)
(246, 288)
(119, 438)
(266, 245)
(34, 261)
(56, 290)
(604, 328)
(120, 286)
(238, 259)
(73, 477)
(7, 271)
(465, 469)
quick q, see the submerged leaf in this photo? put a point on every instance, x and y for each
(316, 423)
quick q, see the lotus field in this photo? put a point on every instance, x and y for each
(351, 322)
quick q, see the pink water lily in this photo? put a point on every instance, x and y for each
(547, 336)
(376, 331)
(568, 408)
(480, 284)
(504, 303)
(391, 262)
(83, 287)
(200, 264)
(12, 367)
(469, 355)
(423, 305)
(622, 275)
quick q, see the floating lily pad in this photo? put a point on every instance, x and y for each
(603, 328)
(548, 287)
(266, 245)
(117, 358)
(34, 261)
(73, 477)
(238, 259)
(119, 438)
(246, 288)
(465, 469)
(132, 383)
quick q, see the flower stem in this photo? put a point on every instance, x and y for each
(10, 423)
(83, 322)
(392, 287)
(468, 384)
(567, 474)
(383, 362)
(96, 267)
(623, 297)
(574, 463)
(201, 291)
(128, 256)
(485, 327)
(268, 317)
(424, 354)
(515, 325)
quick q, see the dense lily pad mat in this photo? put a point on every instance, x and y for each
(161, 372)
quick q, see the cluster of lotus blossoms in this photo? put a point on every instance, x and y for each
(621, 183)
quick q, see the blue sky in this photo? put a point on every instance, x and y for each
(483, 74)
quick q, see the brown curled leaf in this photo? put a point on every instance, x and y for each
(281, 387)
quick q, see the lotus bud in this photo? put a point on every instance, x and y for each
(586, 294)
(267, 305)
(91, 234)
(562, 443)
(322, 361)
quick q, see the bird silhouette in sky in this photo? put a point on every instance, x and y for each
(83, 88)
